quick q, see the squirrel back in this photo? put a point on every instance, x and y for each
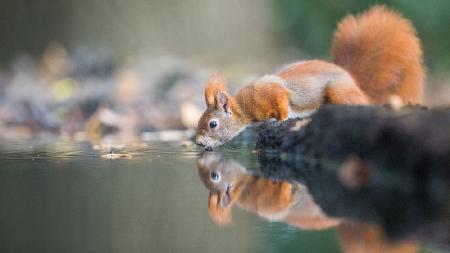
(381, 51)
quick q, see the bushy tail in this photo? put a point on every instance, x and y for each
(382, 52)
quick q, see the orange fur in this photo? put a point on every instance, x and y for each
(297, 71)
(259, 102)
(382, 52)
(264, 196)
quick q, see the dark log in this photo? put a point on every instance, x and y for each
(412, 139)
(391, 167)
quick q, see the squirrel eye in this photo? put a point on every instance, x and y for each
(215, 176)
(213, 124)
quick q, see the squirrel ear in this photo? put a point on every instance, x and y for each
(221, 101)
(224, 200)
(217, 83)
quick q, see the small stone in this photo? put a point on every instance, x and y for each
(113, 156)
(186, 143)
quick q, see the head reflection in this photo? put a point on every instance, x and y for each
(230, 183)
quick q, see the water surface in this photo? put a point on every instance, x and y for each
(60, 196)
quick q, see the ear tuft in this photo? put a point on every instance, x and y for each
(220, 215)
(217, 83)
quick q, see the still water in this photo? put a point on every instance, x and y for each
(163, 197)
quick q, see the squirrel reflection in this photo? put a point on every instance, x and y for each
(230, 183)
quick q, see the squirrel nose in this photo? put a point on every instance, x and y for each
(199, 139)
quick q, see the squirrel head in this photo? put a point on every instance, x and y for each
(218, 123)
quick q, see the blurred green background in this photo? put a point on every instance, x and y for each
(223, 30)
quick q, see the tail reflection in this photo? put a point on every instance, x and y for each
(357, 237)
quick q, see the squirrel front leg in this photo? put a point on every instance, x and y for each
(282, 108)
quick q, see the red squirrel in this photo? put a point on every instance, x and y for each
(375, 56)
